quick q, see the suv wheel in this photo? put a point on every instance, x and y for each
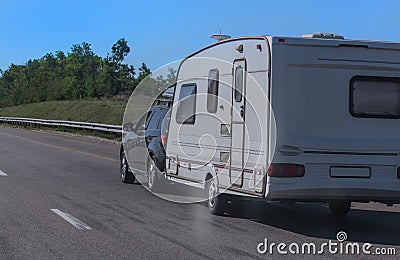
(126, 175)
(152, 175)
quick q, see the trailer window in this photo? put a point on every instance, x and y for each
(375, 97)
(185, 113)
(238, 83)
(212, 94)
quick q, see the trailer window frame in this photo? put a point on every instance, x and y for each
(212, 91)
(365, 114)
(182, 101)
(239, 83)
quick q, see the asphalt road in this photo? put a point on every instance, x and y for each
(45, 177)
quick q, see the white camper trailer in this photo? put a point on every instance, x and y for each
(312, 118)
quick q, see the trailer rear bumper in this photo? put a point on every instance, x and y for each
(325, 194)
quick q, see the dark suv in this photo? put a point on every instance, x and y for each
(144, 149)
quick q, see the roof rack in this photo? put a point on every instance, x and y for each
(323, 35)
(165, 98)
(163, 102)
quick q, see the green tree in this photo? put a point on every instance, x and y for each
(79, 74)
(120, 50)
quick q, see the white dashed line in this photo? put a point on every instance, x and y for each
(72, 220)
(3, 173)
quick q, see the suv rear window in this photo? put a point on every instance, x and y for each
(375, 97)
(165, 122)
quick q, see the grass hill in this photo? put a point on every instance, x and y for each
(94, 111)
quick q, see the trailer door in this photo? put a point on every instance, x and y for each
(238, 123)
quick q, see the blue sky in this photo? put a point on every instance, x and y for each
(159, 32)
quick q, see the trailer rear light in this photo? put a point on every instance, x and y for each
(398, 172)
(285, 170)
(163, 139)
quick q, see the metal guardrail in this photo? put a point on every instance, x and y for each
(58, 123)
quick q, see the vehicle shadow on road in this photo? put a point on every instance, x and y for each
(308, 219)
(314, 220)
(177, 192)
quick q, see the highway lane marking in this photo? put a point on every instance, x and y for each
(62, 148)
(3, 173)
(72, 220)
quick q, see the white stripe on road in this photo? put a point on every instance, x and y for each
(3, 173)
(72, 220)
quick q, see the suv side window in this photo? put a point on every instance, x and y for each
(141, 124)
(148, 118)
(154, 121)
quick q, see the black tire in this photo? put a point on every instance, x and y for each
(153, 175)
(339, 208)
(126, 175)
(217, 203)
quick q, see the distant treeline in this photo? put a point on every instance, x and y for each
(80, 74)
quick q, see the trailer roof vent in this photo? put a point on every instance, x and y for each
(220, 37)
(323, 35)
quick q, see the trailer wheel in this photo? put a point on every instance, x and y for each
(339, 208)
(216, 202)
(126, 175)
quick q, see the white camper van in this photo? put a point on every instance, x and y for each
(312, 118)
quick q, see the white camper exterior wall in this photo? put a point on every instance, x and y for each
(308, 82)
(310, 93)
(199, 146)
